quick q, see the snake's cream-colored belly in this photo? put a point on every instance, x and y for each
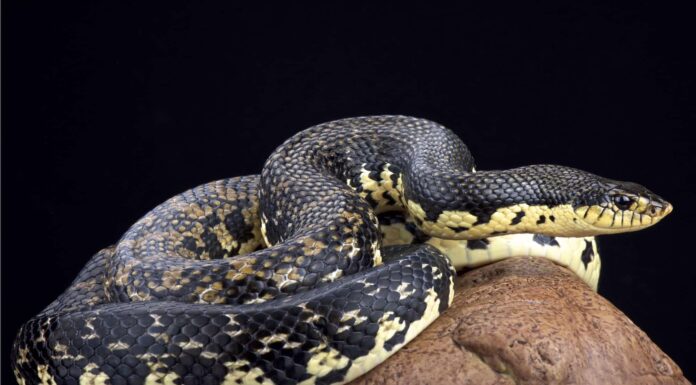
(580, 255)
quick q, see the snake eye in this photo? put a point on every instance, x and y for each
(623, 202)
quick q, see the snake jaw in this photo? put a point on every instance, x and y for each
(608, 218)
(612, 206)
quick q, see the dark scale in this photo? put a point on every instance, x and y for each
(587, 254)
(458, 229)
(518, 218)
(545, 240)
(477, 244)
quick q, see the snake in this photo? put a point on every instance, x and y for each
(342, 250)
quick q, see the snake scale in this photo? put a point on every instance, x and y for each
(287, 277)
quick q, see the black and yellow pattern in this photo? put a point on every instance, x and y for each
(578, 254)
(283, 278)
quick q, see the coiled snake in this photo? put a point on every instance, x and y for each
(287, 277)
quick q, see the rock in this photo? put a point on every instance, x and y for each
(528, 321)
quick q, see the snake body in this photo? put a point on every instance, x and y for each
(286, 277)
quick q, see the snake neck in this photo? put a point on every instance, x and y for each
(468, 205)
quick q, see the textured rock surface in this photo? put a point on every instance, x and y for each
(528, 321)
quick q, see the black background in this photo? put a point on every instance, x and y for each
(109, 109)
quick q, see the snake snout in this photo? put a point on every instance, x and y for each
(659, 209)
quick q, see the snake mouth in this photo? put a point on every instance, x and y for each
(609, 218)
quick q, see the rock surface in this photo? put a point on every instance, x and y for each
(528, 321)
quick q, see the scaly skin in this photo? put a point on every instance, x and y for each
(190, 294)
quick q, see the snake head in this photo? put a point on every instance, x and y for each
(615, 206)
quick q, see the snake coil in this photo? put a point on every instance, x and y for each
(287, 277)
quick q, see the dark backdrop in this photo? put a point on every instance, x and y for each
(110, 109)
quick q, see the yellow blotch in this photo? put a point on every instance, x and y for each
(312, 247)
(324, 362)
(415, 209)
(23, 353)
(44, 376)
(224, 237)
(396, 234)
(159, 378)
(19, 378)
(90, 378)
(387, 329)
(377, 189)
(120, 345)
(377, 258)
(235, 375)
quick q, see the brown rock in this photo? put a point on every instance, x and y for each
(528, 321)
